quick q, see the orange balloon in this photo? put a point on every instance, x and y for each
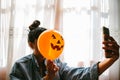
(50, 44)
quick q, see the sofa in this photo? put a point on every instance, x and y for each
(3, 71)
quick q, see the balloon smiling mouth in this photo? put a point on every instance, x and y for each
(58, 48)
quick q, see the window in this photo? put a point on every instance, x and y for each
(82, 22)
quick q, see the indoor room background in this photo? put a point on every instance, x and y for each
(80, 22)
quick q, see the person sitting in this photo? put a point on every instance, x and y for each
(36, 67)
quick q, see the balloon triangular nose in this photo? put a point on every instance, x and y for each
(58, 42)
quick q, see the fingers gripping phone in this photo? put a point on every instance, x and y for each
(106, 32)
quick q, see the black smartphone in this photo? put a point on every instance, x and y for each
(106, 30)
(107, 33)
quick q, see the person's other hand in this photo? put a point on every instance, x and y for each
(111, 45)
(52, 68)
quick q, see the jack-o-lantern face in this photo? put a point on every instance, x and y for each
(50, 43)
(56, 43)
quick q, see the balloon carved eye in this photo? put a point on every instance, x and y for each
(61, 37)
(53, 36)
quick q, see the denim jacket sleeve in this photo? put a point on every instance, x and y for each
(19, 72)
(81, 73)
(16, 73)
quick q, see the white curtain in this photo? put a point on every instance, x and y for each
(15, 17)
(80, 21)
(82, 28)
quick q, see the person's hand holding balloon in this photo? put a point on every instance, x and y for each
(52, 68)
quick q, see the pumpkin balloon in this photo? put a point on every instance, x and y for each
(50, 44)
